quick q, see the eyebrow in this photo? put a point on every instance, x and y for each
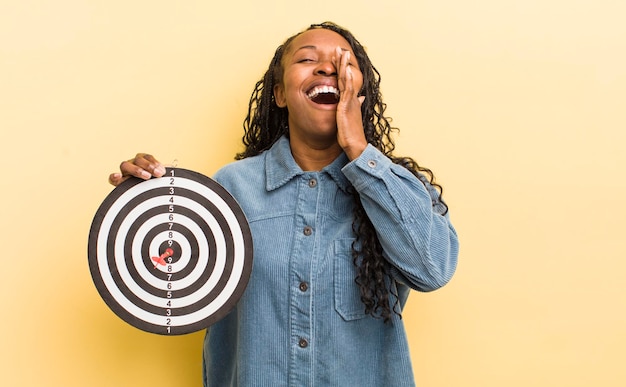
(312, 47)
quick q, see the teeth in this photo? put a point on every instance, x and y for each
(323, 90)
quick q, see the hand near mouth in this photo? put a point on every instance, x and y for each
(350, 134)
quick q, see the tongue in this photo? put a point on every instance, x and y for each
(325, 98)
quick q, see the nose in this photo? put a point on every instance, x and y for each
(326, 67)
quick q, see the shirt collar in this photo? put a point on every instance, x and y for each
(280, 167)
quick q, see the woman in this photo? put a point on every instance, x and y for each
(342, 229)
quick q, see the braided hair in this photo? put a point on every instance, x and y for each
(265, 123)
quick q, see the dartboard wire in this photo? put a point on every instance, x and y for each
(231, 285)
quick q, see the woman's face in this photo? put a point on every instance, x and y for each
(309, 87)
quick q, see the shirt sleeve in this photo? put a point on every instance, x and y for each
(420, 244)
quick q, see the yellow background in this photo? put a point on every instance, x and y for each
(518, 106)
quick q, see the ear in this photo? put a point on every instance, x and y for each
(279, 95)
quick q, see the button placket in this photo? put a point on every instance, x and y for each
(301, 265)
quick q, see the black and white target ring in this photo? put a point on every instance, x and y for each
(170, 255)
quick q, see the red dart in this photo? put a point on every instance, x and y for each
(160, 260)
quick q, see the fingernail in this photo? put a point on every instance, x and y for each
(159, 170)
(145, 174)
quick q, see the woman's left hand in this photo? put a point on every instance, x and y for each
(350, 134)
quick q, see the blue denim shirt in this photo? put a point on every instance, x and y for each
(300, 321)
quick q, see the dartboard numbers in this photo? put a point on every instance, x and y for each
(170, 255)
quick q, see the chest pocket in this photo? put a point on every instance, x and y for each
(347, 295)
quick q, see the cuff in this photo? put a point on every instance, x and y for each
(371, 164)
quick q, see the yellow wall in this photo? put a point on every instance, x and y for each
(518, 106)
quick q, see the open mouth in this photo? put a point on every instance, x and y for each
(326, 95)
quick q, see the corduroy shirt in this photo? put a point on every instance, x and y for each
(300, 321)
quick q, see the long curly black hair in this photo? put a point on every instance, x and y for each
(265, 123)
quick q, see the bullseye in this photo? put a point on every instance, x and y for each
(170, 255)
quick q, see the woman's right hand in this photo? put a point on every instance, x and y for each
(143, 166)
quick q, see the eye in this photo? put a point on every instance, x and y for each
(305, 60)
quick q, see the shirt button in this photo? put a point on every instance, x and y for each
(372, 163)
(303, 343)
(303, 286)
(312, 183)
(308, 230)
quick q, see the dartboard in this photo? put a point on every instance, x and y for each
(170, 255)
